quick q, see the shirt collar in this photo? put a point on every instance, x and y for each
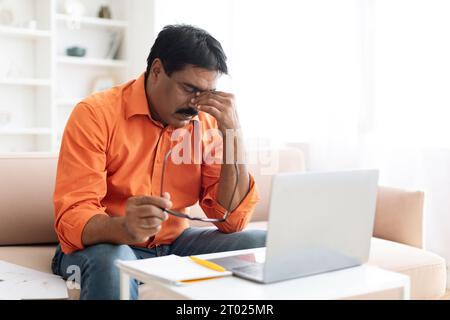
(137, 103)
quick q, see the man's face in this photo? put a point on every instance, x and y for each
(170, 97)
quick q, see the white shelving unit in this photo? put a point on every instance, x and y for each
(23, 32)
(89, 21)
(93, 62)
(39, 83)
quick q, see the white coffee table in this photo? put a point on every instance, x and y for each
(362, 282)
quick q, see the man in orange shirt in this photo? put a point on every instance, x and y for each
(134, 158)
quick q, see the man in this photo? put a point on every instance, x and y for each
(122, 191)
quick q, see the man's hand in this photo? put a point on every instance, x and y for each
(143, 216)
(220, 105)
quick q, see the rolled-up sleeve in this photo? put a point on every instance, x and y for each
(81, 176)
(240, 216)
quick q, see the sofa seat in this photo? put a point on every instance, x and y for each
(425, 269)
(37, 257)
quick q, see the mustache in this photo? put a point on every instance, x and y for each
(187, 111)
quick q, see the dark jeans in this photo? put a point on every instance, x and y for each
(94, 270)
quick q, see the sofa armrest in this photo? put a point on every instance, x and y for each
(399, 216)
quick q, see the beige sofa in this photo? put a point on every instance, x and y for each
(27, 236)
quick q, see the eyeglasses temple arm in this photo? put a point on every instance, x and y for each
(163, 171)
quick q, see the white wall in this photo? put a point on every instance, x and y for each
(215, 16)
(141, 34)
(411, 81)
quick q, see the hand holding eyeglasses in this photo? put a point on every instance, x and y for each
(144, 216)
(186, 216)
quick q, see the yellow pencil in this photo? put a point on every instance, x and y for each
(208, 264)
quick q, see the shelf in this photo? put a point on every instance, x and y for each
(91, 21)
(40, 85)
(25, 82)
(29, 131)
(24, 33)
(93, 62)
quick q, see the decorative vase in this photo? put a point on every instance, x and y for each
(104, 12)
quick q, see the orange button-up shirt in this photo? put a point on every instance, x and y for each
(112, 149)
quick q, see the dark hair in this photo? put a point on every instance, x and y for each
(179, 45)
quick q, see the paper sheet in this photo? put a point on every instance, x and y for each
(17, 282)
(173, 268)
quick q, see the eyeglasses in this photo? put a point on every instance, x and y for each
(186, 216)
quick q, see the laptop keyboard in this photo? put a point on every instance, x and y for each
(255, 270)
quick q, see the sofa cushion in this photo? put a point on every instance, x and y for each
(427, 271)
(26, 207)
(287, 159)
(399, 215)
(38, 257)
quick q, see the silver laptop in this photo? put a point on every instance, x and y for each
(318, 222)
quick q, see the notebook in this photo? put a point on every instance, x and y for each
(173, 269)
